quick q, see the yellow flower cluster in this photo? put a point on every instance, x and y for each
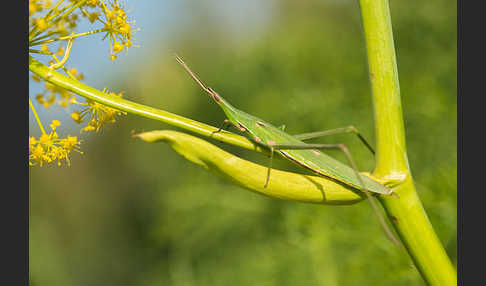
(56, 22)
(49, 147)
(36, 6)
(119, 29)
(96, 114)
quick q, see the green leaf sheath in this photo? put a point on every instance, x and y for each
(406, 213)
(282, 185)
(89, 92)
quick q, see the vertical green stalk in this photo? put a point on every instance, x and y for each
(406, 213)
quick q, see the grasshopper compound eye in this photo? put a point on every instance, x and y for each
(213, 94)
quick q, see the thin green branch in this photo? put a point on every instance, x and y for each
(40, 52)
(36, 42)
(37, 117)
(54, 8)
(34, 32)
(50, 20)
(43, 37)
(65, 58)
(91, 93)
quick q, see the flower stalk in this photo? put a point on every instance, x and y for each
(37, 117)
(37, 41)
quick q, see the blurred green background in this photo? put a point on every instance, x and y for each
(133, 213)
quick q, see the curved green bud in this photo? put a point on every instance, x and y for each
(282, 185)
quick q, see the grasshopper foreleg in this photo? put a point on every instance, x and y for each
(226, 124)
(269, 167)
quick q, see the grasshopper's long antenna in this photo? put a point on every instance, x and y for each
(193, 75)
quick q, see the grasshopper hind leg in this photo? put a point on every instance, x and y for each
(387, 230)
(347, 129)
(345, 150)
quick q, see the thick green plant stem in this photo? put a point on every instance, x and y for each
(406, 213)
(89, 92)
(282, 185)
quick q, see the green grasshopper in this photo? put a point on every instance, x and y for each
(293, 148)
